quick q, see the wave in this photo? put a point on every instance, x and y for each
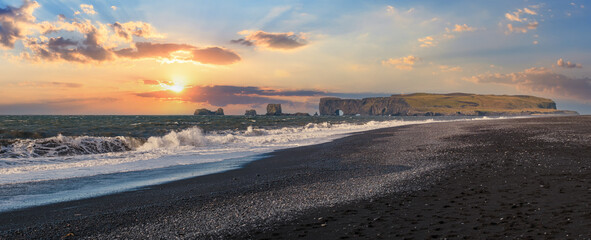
(66, 146)
(191, 137)
(63, 157)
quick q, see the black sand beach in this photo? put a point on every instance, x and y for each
(516, 178)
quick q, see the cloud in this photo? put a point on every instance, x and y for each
(529, 11)
(390, 9)
(50, 84)
(522, 29)
(150, 82)
(84, 41)
(403, 63)
(138, 29)
(275, 41)
(179, 52)
(445, 68)
(54, 106)
(242, 41)
(516, 16)
(114, 8)
(15, 22)
(524, 25)
(215, 55)
(541, 80)
(88, 9)
(88, 49)
(222, 95)
(461, 28)
(567, 64)
(427, 41)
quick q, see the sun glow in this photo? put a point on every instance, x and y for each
(176, 85)
(176, 88)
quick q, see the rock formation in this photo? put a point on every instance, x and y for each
(424, 104)
(367, 106)
(206, 112)
(250, 112)
(274, 109)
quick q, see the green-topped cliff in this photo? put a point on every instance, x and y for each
(426, 104)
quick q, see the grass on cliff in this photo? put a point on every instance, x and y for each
(462, 102)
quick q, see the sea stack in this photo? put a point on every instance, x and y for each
(274, 109)
(250, 112)
(207, 112)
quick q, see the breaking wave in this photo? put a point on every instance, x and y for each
(67, 146)
(192, 137)
(65, 157)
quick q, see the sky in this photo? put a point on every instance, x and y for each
(158, 57)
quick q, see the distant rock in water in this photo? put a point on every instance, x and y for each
(274, 109)
(453, 104)
(205, 112)
(301, 114)
(250, 112)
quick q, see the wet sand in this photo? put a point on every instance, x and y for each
(519, 178)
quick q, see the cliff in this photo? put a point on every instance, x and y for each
(425, 104)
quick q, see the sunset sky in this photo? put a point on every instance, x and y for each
(163, 57)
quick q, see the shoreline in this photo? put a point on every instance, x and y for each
(116, 182)
(288, 185)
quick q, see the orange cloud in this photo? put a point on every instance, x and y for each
(403, 63)
(88, 9)
(522, 29)
(211, 55)
(516, 16)
(461, 28)
(139, 29)
(15, 22)
(567, 64)
(98, 42)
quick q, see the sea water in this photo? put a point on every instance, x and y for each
(48, 159)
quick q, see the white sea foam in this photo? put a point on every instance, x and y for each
(104, 155)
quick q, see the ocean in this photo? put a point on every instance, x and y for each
(48, 159)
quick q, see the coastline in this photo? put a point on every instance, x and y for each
(267, 197)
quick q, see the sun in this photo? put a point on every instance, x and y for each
(177, 84)
(176, 88)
